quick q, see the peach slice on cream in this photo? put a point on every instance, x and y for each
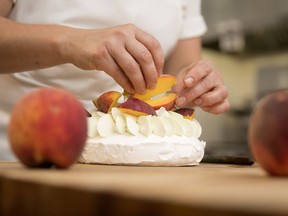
(107, 100)
(136, 107)
(187, 113)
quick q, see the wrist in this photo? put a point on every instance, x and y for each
(63, 44)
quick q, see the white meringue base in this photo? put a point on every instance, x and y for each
(143, 151)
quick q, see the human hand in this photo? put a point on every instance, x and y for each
(132, 57)
(201, 84)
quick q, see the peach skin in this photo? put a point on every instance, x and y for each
(107, 100)
(187, 113)
(136, 107)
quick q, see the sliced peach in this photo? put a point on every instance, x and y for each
(107, 100)
(136, 107)
(167, 101)
(132, 112)
(187, 113)
(164, 84)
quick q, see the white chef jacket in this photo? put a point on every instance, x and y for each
(166, 20)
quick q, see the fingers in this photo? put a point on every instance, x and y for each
(215, 96)
(133, 58)
(115, 71)
(214, 101)
(145, 63)
(154, 48)
(217, 108)
(130, 68)
(140, 57)
(201, 84)
(198, 72)
(205, 81)
(192, 74)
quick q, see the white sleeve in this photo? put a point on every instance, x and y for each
(194, 24)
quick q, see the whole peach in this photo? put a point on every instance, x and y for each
(268, 133)
(48, 127)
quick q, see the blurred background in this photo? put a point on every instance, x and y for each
(248, 42)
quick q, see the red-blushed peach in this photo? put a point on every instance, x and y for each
(187, 113)
(107, 100)
(167, 101)
(136, 107)
(48, 127)
(268, 133)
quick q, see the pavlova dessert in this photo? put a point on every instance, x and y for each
(143, 130)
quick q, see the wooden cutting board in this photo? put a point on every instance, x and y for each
(208, 189)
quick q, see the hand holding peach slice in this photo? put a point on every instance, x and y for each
(164, 84)
(154, 97)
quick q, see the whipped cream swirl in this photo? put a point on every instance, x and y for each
(166, 123)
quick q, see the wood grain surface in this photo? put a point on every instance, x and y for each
(207, 189)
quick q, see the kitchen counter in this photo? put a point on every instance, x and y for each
(207, 189)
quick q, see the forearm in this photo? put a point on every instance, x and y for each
(26, 47)
(186, 52)
(5, 7)
(132, 57)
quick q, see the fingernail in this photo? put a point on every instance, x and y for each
(181, 101)
(198, 101)
(188, 81)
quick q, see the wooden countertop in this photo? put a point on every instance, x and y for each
(208, 189)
